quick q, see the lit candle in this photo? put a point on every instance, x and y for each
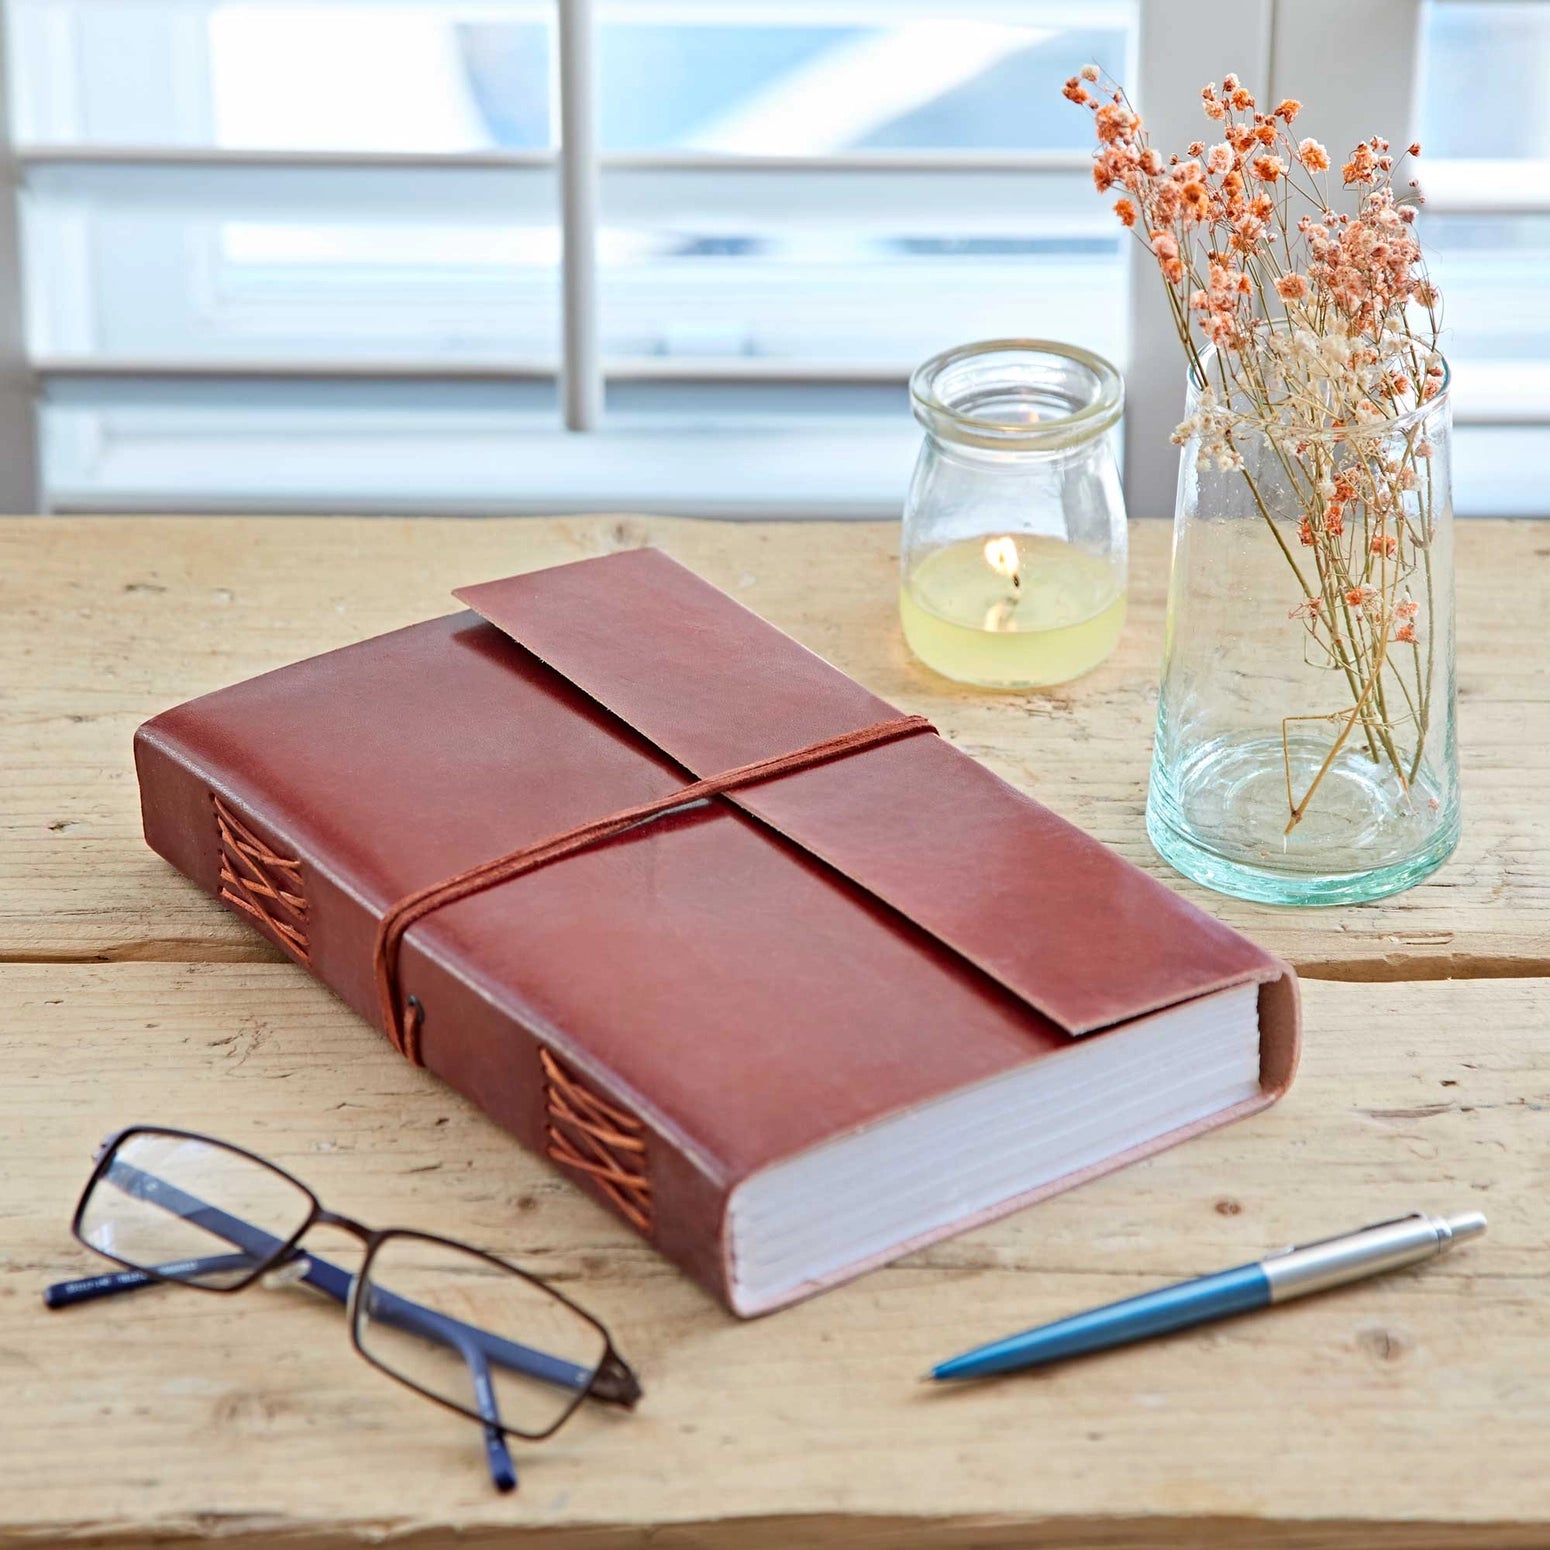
(1001, 555)
(1012, 611)
(1013, 543)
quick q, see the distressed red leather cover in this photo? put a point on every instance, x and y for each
(739, 981)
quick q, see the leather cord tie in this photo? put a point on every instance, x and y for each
(402, 1019)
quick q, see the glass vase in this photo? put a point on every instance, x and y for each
(1306, 749)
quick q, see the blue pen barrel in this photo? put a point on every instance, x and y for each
(1219, 1296)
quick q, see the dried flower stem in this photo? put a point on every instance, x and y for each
(1299, 808)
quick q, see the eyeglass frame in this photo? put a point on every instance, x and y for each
(612, 1381)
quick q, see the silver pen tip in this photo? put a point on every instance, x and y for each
(1468, 1225)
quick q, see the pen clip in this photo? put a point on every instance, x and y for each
(1393, 1221)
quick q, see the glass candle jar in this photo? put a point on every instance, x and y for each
(1014, 546)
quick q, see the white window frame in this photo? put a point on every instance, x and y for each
(19, 459)
(1279, 44)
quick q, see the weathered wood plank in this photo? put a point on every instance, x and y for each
(1409, 1411)
(103, 622)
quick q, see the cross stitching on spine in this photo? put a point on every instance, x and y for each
(262, 884)
(588, 1133)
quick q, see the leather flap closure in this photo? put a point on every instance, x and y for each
(1064, 923)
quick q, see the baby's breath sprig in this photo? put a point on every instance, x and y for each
(1316, 331)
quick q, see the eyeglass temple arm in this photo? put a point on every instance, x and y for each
(503, 1472)
(334, 1281)
(65, 1294)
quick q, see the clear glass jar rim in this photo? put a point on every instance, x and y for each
(1101, 411)
(1387, 426)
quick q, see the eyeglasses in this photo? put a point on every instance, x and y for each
(460, 1326)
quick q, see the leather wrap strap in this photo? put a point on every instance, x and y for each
(402, 1020)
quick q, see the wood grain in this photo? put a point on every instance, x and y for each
(1409, 1411)
(106, 621)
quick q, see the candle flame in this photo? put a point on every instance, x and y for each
(1002, 557)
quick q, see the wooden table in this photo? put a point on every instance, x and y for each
(1413, 1411)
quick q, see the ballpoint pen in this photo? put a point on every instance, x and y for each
(1294, 1272)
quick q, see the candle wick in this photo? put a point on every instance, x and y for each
(1017, 582)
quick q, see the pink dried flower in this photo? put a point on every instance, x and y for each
(1114, 122)
(1166, 247)
(1362, 167)
(1195, 199)
(1313, 155)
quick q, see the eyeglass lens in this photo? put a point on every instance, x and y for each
(190, 1209)
(471, 1332)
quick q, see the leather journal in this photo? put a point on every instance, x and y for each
(773, 971)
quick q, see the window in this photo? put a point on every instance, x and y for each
(321, 258)
(1486, 226)
(334, 254)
